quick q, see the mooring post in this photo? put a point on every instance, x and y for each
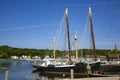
(88, 69)
(6, 75)
(72, 73)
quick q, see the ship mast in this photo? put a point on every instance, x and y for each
(76, 46)
(54, 51)
(68, 37)
(92, 33)
(115, 51)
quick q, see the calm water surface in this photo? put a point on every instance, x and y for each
(21, 70)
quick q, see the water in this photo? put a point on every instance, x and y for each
(22, 70)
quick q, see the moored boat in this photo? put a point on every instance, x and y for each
(79, 68)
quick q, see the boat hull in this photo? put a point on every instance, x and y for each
(110, 68)
(95, 67)
(98, 75)
(78, 69)
(81, 68)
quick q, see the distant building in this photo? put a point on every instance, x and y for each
(14, 57)
(36, 58)
(113, 57)
(24, 57)
(102, 58)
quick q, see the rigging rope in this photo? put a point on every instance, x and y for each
(60, 33)
(108, 26)
(82, 40)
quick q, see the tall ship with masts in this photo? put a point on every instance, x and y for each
(79, 68)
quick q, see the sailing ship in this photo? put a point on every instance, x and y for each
(79, 68)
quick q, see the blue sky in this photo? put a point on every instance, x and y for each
(33, 23)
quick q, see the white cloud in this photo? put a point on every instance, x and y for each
(24, 27)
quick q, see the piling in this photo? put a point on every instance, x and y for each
(72, 73)
(88, 69)
(6, 75)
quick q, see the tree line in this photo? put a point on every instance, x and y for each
(6, 52)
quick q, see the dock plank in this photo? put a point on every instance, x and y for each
(96, 78)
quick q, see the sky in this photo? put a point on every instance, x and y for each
(34, 23)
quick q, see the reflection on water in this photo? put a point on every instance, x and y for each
(39, 76)
(22, 70)
(43, 76)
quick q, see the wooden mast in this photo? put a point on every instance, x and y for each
(92, 33)
(76, 46)
(54, 42)
(115, 51)
(68, 36)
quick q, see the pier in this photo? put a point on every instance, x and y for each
(95, 78)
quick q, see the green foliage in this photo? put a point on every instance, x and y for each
(5, 55)
(6, 52)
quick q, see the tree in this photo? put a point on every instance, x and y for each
(5, 55)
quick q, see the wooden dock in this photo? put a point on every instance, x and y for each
(95, 78)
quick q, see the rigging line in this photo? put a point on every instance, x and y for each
(89, 35)
(64, 42)
(115, 29)
(86, 30)
(84, 33)
(102, 29)
(90, 45)
(57, 35)
(109, 24)
(65, 39)
(82, 39)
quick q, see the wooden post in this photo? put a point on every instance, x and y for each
(6, 75)
(72, 73)
(88, 69)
